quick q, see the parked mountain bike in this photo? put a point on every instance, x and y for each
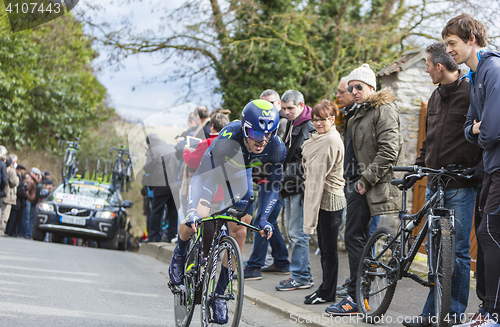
(128, 176)
(70, 161)
(387, 258)
(198, 286)
(119, 167)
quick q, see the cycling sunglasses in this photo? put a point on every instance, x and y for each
(358, 87)
(257, 136)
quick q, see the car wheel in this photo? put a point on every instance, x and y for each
(122, 246)
(113, 243)
(38, 235)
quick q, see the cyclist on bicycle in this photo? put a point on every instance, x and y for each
(254, 140)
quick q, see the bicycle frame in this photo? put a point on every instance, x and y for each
(407, 255)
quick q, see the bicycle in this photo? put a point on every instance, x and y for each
(198, 286)
(119, 167)
(387, 259)
(70, 161)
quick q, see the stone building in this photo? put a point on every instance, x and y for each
(412, 85)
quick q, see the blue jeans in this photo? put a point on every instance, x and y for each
(26, 218)
(299, 263)
(260, 244)
(462, 201)
(374, 224)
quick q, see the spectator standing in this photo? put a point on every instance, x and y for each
(11, 193)
(374, 142)
(3, 181)
(466, 39)
(32, 179)
(324, 199)
(15, 224)
(279, 252)
(48, 185)
(202, 115)
(448, 106)
(298, 127)
(161, 163)
(193, 160)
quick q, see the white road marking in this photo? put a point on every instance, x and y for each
(66, 279)
(50, 271)
(131, 293)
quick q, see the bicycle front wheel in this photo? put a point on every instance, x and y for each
(185, 300)
(222, 297)
(377, 276)
(443, 268)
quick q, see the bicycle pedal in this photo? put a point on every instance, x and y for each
(175, 289)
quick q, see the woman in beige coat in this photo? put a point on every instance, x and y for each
(324, 199)
(11, 192)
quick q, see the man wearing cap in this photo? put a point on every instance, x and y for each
(373, 146)
(32, 179)
(15, 225)
(3, 182)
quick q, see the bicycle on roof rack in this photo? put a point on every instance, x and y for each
(198, 286)
(70, 160)
(120, 168)
(386, 258)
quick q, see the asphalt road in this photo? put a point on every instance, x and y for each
(46, 284)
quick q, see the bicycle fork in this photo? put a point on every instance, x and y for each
(434, 233)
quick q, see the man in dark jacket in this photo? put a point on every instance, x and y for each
(297, 131)
(160, 168)
(14, 228)
(445, 144)
(466, 39)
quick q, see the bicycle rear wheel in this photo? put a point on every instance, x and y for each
(377, 276)
(223, 281)
(443, 267)
(65, 167)
(185, 300)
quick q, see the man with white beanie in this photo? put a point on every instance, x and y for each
(373, 146)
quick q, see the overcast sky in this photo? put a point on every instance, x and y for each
(129, 93)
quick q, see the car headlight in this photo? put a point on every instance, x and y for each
(105, 214)
(46, 207)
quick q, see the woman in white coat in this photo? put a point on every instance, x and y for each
(324, 199)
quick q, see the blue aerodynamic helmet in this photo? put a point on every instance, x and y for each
(260, 120)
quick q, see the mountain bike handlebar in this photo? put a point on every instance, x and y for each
(121, 150)
(420, 172)
(71, 144)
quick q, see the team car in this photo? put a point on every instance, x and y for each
(86, 209)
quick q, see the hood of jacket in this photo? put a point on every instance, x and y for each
(304, 116)
(384, 96)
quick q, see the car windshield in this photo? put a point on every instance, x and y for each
(91, 191)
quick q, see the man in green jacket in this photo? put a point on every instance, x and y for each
(373, 146)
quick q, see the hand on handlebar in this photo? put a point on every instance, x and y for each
(193, 220)
(266, 229)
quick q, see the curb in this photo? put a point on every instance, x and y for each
(163, 252)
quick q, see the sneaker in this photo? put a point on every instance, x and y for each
(252, 273)
(345, 307)
(341, 290)
(219, 311)
(314, 299)
(481, 320)
(419, 321)
(311, 281)
(273, 269)
(176, 269)
(291, 284)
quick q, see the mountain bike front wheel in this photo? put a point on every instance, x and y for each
(443, 257)
(377, 276)
(222, 295)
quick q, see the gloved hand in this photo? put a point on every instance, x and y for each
(193, 219)
(477, 172)
(266, 229)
